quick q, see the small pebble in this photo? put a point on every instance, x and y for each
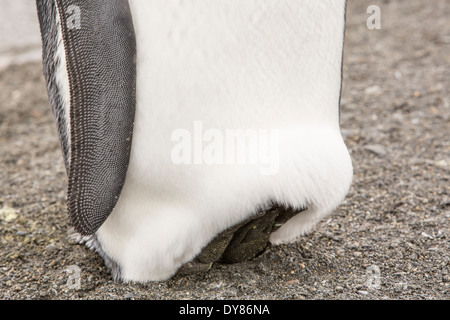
(426, 235)
(363, 292)
(129, 296)
(373, 90)
(377, 149)
(8, 214)
(50, 247)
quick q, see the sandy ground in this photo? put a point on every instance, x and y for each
(19, 33)
(388, 240)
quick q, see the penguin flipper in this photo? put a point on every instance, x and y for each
(100, 51)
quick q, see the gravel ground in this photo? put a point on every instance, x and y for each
(388, 240)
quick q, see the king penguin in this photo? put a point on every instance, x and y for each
(146, 95)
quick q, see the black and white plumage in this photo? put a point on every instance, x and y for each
(100, 71)
(146, 95)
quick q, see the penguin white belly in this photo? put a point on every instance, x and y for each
(273, 67)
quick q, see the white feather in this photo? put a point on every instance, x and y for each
(62, 77)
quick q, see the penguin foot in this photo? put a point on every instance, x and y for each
(243, 241)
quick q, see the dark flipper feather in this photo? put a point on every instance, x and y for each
(100, 50)
(47, 14)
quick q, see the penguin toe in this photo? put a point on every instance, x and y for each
(194, 267)
(241, 242)
(252, 238)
